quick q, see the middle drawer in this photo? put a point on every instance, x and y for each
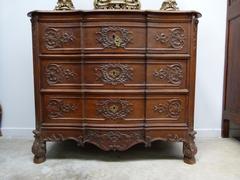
(123, 109)
(115, 72)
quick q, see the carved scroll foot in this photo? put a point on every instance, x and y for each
(190, 149)
(38, 148)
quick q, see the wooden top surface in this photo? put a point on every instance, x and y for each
(197, 14)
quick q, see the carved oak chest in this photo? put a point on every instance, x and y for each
(114, 78)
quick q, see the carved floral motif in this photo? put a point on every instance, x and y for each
(175, 38)
(57, 108)
(172, 73)
(114, 109)
(114, 74)
(56, 73)
(114, 37)
(114, 140)
(171, 109)
(55, 38)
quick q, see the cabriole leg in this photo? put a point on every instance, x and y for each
(190, 149)
(38, 148)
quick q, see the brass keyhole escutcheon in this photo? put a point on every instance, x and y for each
(114, 73)
(117, 40)
(114, 108)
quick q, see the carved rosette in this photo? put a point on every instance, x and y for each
(56, 73)
(57, 108)
(114, 74)
(114, 108)
(117, 4)
(175, 39)
(190, 149)
(38, 148)
(114, 140)
(171, 109)
(55, 38)
(172, 74)
(114, 37)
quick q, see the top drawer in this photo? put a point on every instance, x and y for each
(114, 37)
(60, 38)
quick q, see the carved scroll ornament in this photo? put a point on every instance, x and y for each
(57, 108)
(114, 140)
(172, 74)
(175, 38)
(170, 109)
(114, 37)
(56, 73)
(55, 38)
(114, 74)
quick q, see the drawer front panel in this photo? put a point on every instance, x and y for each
(61, 74)
(166, 109)
(169, 38)
(114, 110)
(114, 38)
(62, 109)
(121, 74)
(60, 38)
(167, 74)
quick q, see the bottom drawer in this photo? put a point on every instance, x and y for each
(111, 110)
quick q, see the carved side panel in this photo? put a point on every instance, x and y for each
(114, 140)
(170, 109)
(173, 74)
(114, 108)
(56, 73)
(55, 38)
(114, 74)
(57, 108)
(114, 37)
(175, 38)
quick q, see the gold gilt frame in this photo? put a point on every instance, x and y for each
(117, 4)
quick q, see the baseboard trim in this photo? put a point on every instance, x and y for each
(21, 133)
(27, 133)
(208, 133)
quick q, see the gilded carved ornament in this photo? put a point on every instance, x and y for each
(117, 4)
(64, 5)
(169, 5)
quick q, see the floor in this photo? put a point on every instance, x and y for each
(217, 159)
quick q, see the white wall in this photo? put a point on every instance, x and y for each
(16, 74)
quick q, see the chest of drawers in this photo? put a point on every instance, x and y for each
(114, 78)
